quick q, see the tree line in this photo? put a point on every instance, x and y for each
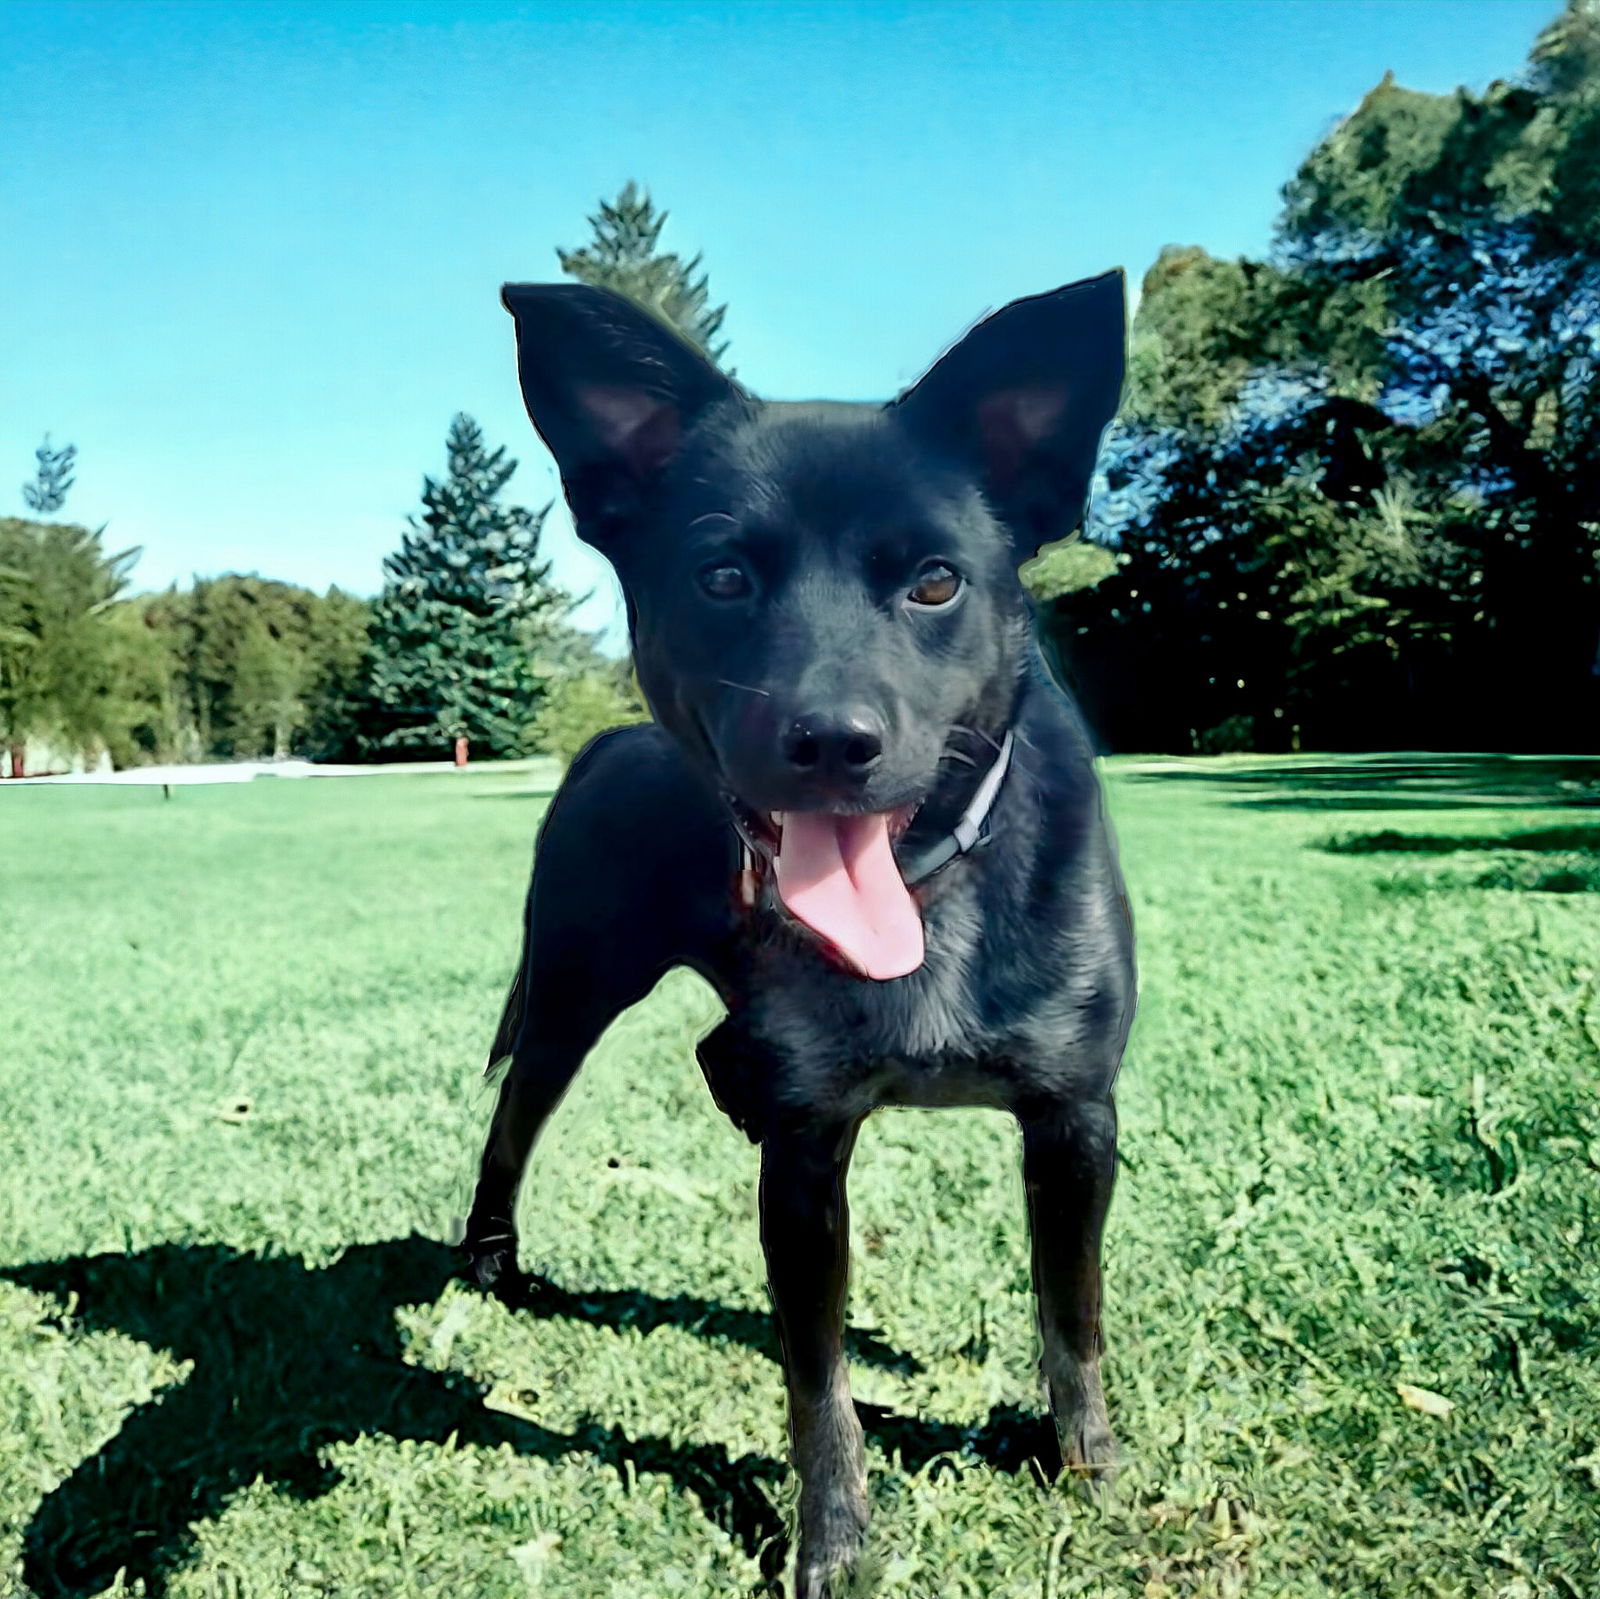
(468, 639)
(1353, 496)
(1352, 499)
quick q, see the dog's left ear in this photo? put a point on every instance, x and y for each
(1024, 398)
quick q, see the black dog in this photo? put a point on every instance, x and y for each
(864, 812)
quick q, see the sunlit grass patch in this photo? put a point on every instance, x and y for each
(1351, 1267)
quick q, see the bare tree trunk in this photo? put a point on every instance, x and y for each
(19, 757)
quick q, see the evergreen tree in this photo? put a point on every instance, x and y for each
(47, 493)
(465, 612)
(624, 256)
(56, 587)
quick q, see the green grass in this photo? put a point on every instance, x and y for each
(241, 1038)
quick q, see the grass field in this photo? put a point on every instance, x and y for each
(1353, 1267)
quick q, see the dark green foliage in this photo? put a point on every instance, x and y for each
(56, 650)
(624, 256)
(338, 694)
(151, 718)
(1352, 495)
(465, 614)
(242, 667)
(47, 493)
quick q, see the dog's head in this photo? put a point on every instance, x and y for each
(823, 598)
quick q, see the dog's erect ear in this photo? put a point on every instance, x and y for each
(610, 389)
(1025, 398)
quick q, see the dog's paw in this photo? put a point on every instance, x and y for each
(830, 1550)
(1089, 1455)
(491, 1264)
(1083, 1430)
(824, 1576)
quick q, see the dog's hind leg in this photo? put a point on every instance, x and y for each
(609, 912)
(805, 1230)
(569, 998)
(1069, 1153)
(588, 953)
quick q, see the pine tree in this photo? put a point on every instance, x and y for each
(57, 585)
(624, 256)
(465, 608)
(47, 493)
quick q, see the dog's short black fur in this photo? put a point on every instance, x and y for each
(826, 617)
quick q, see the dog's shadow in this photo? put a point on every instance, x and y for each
(289, 1359)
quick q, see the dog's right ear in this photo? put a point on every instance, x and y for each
(611, 390)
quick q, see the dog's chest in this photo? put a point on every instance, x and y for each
(847, 1045)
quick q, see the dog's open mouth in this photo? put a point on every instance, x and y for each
(837, 875)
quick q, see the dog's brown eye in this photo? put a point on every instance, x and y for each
(937, 584)
(722, 580)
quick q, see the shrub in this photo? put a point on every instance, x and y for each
(578, 708)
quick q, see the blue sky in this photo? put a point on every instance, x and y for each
(253, 251)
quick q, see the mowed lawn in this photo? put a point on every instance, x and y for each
(1352, 1275)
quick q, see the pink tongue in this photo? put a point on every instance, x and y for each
(837, 875)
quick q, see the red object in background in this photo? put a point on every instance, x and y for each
(461, 752)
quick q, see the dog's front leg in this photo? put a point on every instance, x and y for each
(1069, 1153)
(805, 1230)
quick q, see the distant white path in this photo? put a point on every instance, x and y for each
(247, 771)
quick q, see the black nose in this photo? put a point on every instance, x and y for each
(846, 743)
